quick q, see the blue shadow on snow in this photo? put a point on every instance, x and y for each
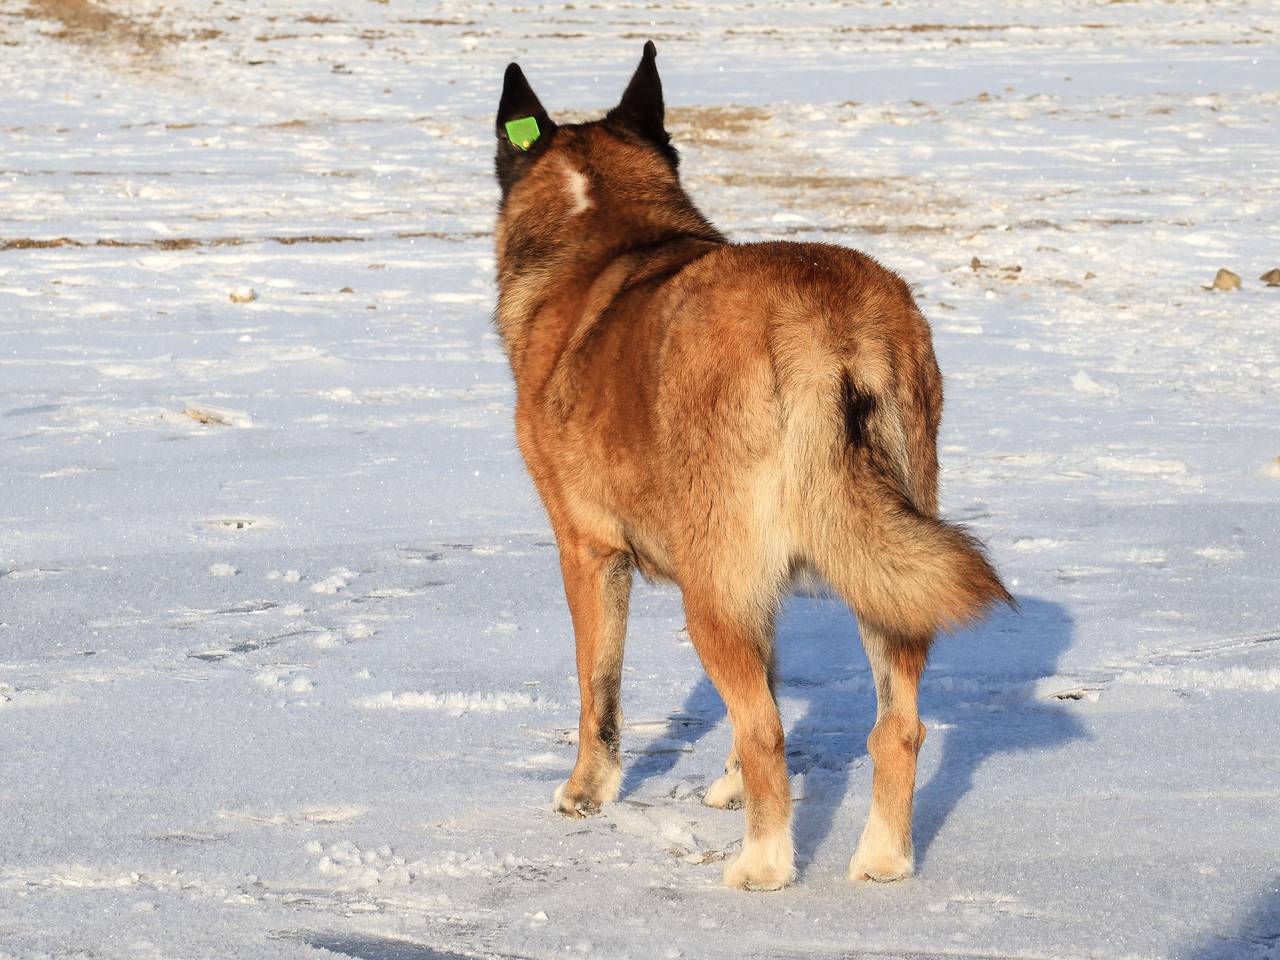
(978, 688)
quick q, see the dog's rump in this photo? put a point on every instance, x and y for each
(799, 381)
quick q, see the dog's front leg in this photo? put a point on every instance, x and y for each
(597, 584)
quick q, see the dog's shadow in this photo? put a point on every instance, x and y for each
(978, 700)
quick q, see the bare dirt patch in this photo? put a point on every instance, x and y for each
(169, 243)
(438, 22)
(96, 26)
(90, 24)
(723, 126)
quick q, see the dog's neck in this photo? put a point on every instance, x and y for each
(570, 264)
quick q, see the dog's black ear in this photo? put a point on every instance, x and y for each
(641, 108)
(523, 127)
(518, 103)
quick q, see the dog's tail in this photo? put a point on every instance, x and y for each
(873, 526)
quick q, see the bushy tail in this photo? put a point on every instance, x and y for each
(909, 574)
(902, 570)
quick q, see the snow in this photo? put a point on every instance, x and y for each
(285, 668)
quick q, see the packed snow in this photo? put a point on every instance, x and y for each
(285, 665)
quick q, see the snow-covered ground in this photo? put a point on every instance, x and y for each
(285, 669)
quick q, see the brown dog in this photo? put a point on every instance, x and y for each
(728, 417)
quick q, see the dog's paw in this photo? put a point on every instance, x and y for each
(573, 801)
(882, 867)
(573, 804)
(883, 854)
(768, 864)
(727, 793)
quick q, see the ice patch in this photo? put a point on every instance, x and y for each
(455, 704)
(336, 813)
(538, 761)
(1219, 554)
(1034, 544)
(222, 570)
(460, 297)
(1141, 465)
(75, 876)
(11, 699)
(127, 371)
(662, 745)
(1145, 556)
(1227, 678)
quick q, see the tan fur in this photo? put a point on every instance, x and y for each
(727, 416)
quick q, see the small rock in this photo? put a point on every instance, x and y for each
(1090, 275)
(1225, 280)
(975, 264)
(1271, 278)
(244, 295)
(346, 290)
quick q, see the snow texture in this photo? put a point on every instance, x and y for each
(285, 666)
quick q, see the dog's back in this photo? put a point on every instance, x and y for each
(781, 396)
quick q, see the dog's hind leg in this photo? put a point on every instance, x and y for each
(729, 792)
(598, 587)
(736, 654)
(885, 852)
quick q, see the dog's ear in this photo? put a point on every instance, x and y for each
(641, 109)
(519, 102)
(523, 127)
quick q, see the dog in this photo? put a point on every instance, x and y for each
(728, 417)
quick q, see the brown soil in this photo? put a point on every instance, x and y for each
(721, 126)
(176, 243)
(700, 124)
(90, 24)
(95, 25)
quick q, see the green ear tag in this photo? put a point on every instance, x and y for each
(523, 132)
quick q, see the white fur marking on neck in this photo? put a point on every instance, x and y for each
(579, 186)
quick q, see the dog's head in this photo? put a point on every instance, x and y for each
(566, 170)
(578, 198)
